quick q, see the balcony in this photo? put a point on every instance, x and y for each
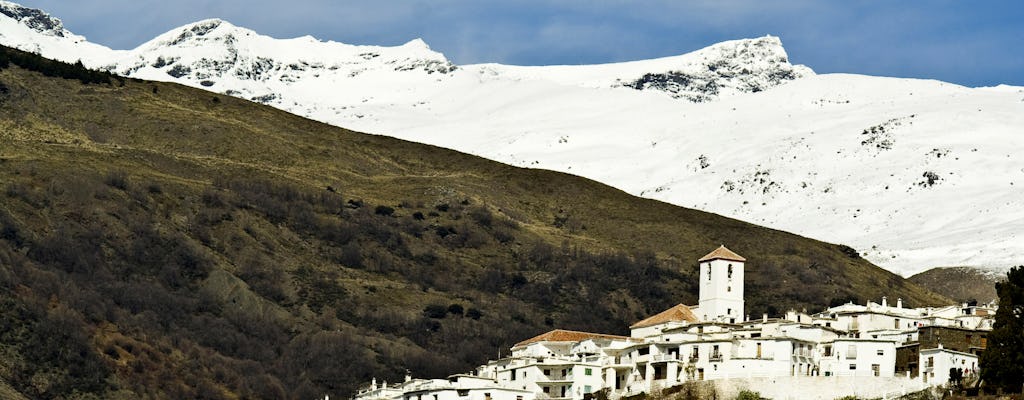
(716, 357)
(665, 357)
(694, 358)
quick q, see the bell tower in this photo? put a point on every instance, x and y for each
(721, 286)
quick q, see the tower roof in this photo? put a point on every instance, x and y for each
(722, 253)
(675, 314)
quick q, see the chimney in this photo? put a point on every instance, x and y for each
(885, 302)
(764, 318)
(408, 376)
(899, 302)
(373, 384)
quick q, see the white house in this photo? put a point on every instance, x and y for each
(936, 364)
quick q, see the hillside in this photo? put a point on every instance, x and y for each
(160, 241)
(911, 173)
(960, 283)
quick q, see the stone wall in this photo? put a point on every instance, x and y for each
(819, 387)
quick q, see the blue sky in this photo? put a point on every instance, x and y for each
(973, 43)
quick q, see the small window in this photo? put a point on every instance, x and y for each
(728, 288)
(729, 273)
(547, 372)
(547, 389)
(463, 392)
(728, 311)
(881, 352)
(587, 389)
(513, 374)
(588, 372)
(709, 272)
(643, 351)
(853, 366)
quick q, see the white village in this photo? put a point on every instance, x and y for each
(877, 350)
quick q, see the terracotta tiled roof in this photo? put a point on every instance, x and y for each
(722, 253)
(562, 335)
(680, 312)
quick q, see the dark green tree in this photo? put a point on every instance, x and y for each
(1002, 363)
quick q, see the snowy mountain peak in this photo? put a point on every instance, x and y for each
(732, 67)
(34, 19)
(36, 31)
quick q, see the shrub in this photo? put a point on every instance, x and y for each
(383, 210)
(435, 311)
(117, 179)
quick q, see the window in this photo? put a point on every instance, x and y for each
(587, 372)
(896, 324)
(463, 392)
(709, 272)
(828, 351)
(875, 369)
(851, 352)
(881, 352)
(513, 374)
(644, 351)
(587, 389)
(728, 311)
(729, 273)
(728, 288)
(853, 366)
(547, 372)
(547, 389)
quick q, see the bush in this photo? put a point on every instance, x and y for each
(117, 179)
(435, 311)
(383, 210)
(748, 395)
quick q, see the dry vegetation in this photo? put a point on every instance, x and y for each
(164, 242)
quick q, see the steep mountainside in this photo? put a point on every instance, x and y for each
(911, 173)
(160, 241)
(961, 283)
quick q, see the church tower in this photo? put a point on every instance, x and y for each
(721, 286)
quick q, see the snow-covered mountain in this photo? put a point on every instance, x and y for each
(913, 173)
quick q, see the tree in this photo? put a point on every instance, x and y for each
(1002, 363)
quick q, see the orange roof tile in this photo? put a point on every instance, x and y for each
(679, 312)
(722, 253)
(562, 335)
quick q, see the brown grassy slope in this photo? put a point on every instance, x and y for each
(195, 136)
(278, 291)
(959, 283)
